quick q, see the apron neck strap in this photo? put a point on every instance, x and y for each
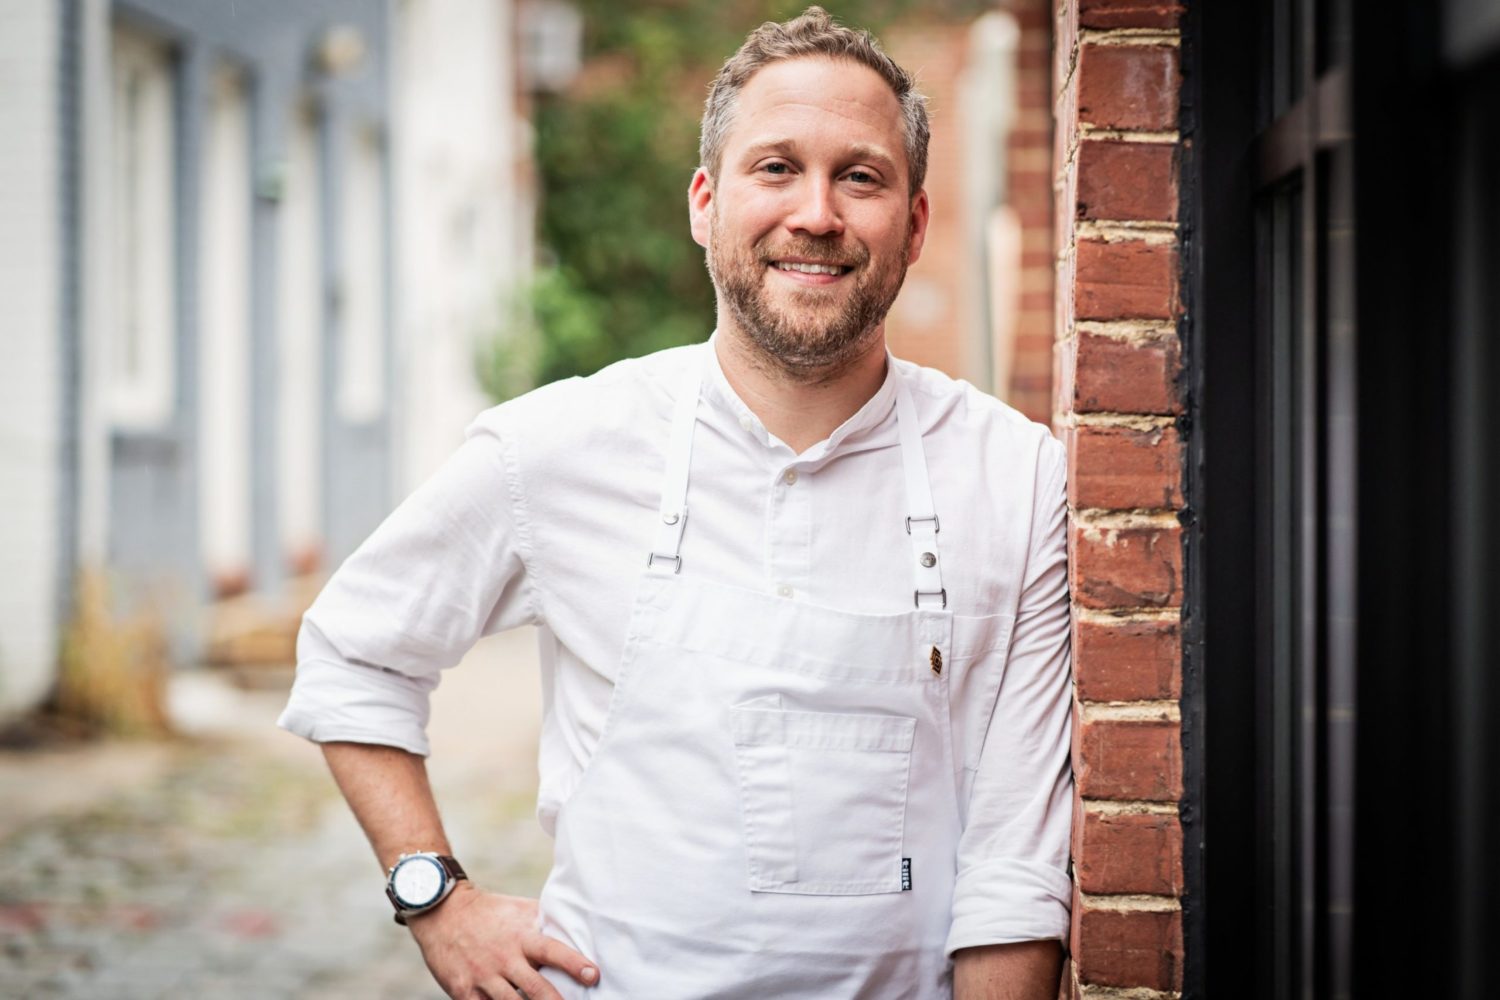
(666, 554)
(922, 525)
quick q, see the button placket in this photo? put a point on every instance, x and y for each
(790, 539)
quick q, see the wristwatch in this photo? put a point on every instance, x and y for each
(418, 882)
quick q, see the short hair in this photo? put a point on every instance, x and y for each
(813, 33)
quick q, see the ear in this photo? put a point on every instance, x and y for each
(700, 198)
(920, 213)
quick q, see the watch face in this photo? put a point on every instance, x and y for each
(418, 881)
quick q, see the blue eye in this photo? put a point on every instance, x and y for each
(861, 177)
(776, 168)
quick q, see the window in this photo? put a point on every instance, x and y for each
(1305, 564)
(141, 359)
(361, 325)
(299, 352)
(224, 330)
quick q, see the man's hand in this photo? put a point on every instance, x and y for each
(480, 944)
(477, 944)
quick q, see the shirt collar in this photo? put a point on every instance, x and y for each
(871, 415)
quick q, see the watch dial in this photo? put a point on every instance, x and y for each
(418, 881)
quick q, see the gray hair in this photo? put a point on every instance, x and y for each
(813, 33)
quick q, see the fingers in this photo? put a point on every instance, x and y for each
(543, 950)
(531, 983)
(497, 990)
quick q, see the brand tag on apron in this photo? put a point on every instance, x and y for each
(936, 659)
(906, 874)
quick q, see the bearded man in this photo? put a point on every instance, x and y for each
(802, 609)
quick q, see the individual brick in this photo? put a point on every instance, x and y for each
(1110, 375)
(1102, 15)
(1129, 87)
(1128, 659)
(1127, 181)
(1129, 853)
(1126, 279)
(1129, 759)
(1129, 948)
(1127, 566)
(1124, 468)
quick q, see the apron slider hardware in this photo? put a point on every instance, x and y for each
(936, 524)
(677, 563)
(917, 596)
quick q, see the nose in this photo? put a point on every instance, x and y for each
(815, 213)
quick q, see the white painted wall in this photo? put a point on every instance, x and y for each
(463, 213)
(224, 273)
(30, 389)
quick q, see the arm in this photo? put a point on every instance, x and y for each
(447, 567)
(1026, 970)
(1012, 894)
(473, 940)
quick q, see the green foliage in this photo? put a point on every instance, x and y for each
(621, 275)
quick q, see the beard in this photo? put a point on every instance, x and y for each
(815, 332)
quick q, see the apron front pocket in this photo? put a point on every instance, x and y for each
(823, 798)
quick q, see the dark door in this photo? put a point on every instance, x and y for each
(1343, 603)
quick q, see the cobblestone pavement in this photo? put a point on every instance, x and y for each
(229, 866)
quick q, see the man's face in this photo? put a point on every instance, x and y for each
(809, 225)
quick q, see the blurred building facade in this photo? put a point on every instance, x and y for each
(249, 250)
(978, 304)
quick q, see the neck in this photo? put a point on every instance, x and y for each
(800, 409)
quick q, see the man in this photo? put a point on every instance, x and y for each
(802, 608)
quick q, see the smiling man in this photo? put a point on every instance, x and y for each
(802, 609)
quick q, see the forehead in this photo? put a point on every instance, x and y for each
(817, 99)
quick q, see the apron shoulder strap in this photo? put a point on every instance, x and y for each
(922, 524)
(666, 554)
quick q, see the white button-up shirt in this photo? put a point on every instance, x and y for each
(546, 513)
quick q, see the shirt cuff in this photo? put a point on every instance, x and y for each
(358, 704)
(1009, 900)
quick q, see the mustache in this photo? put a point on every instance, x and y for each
(821, 251)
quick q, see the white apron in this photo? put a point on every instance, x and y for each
(771, 810)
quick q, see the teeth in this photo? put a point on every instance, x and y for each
(810, 268)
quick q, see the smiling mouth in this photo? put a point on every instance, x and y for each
(806, 267)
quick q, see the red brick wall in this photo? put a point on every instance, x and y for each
(1116, 86)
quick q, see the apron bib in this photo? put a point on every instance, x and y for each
(771, 809)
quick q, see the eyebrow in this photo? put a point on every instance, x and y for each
(859, 151)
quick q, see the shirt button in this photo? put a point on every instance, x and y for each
(783, 590)
(747, 424)
(789, 476)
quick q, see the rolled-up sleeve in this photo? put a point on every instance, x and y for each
(1012, 882)
(446, 568)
